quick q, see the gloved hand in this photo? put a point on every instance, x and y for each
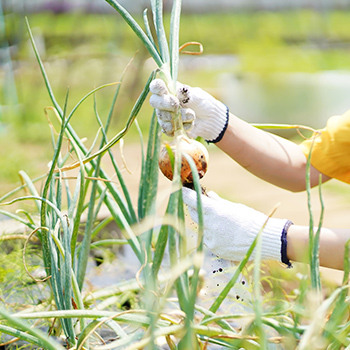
(230, 228)
(202, 114)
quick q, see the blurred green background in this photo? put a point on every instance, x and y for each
(288, 66)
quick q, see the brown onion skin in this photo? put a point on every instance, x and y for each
(195, 150)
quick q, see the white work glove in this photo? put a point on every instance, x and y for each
(202, 114)
(230, 228)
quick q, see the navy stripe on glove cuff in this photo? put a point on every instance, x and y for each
(223, 130)
(284, 257)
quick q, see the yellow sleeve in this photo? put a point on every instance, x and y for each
(330, 153)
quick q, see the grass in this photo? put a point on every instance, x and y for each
(100, 35)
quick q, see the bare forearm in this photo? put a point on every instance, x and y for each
(332, 245)
(270, 157)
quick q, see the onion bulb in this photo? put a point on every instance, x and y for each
(194, 149)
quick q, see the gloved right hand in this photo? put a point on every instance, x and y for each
(230, 228)
(202, 114)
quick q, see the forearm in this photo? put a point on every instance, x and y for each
(268, 156)
(331, 250)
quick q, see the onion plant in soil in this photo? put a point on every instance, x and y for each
(166, 307)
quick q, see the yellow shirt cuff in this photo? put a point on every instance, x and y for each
(330, 151)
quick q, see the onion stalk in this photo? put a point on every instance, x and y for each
(166, 56)
(181, 143)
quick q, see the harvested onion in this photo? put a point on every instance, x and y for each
(194, 149)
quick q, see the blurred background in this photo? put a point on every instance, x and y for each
(270, 61)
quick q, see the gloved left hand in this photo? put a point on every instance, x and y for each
(202, 114)
(230, 228)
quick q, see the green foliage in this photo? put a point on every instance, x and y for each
(15, 284)
(266, 42)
